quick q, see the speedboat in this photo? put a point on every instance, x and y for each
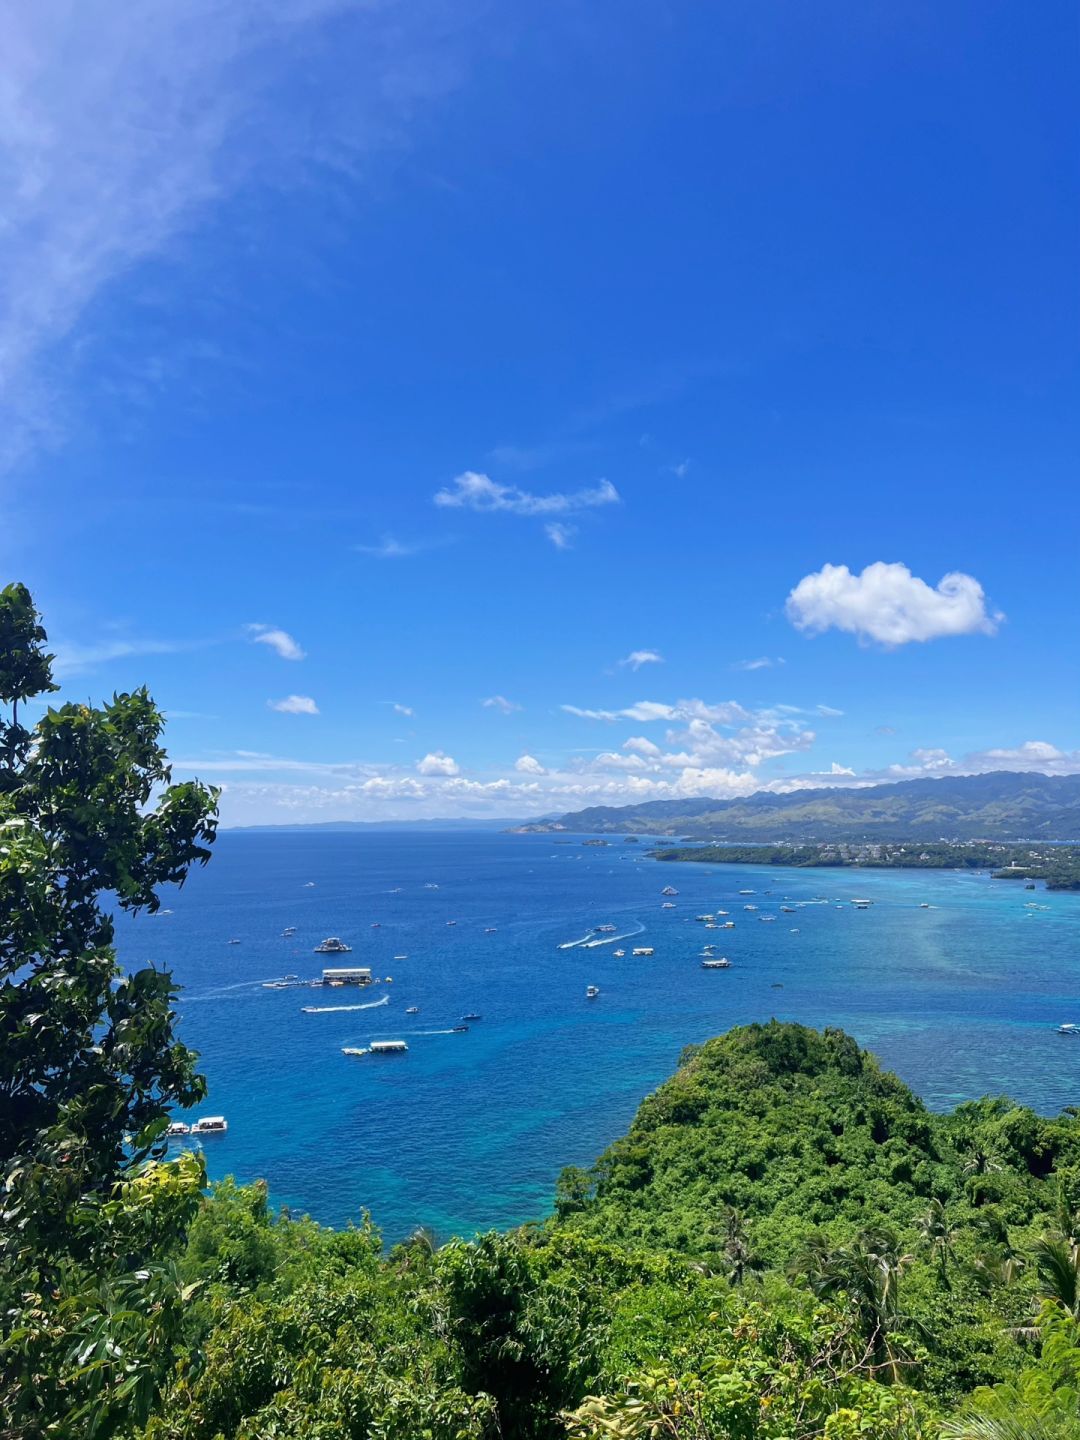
(668, 905)
(177, 1128)
(490, 930)
(401, 957)
(591, 992)
(746, 892)
(1068, 1028)
(289, 930)
(604, 929)
(720, 963)
(669, 890)
(353, 1050)
(618, 954)
(234, 942)
(451, 922)
(412, 1010)
(458, 1029)
(472, 1016)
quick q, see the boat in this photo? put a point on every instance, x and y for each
(788, 909)
(591, 992)
(1068, 1028)
(309, 885)
(276, 985)
(794, 930)
(490, 930)
(668, 905)
(412, 1010)
(210, 1125)
(669, 890)
(746, 892)
(458, 1029)
(234, 942)
(472, 1016)
(727, 925)
(766, 918)
(451, 922)
(177, 1128)
(924, 904)
(333, 946)
(353, 1050)
(289, 930)
(720, 963)
(387, 1047)
(604, 929)
(401, 957)
(723, 912)
(705, 919)
(749, 907)
(618, 954)
(376, 924)
(862, 904)
(643, 950)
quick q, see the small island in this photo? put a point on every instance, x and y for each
(1056, 866)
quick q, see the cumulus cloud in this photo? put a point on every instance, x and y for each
(888, 604)
(529, 765)
(637, 658)
(473, 491)
(280, 641)
(295, 705)
(500, 703)
(436, 762)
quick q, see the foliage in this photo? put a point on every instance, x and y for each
(89, 1064)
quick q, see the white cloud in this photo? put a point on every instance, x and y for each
(390, 549)
(827, 712)
(437, 763)
(399, 709)
(529, 765)
(472, 491)
(500, 703)
(560, 534)
(888, 604)
(637, 658)
(71, 659)
(295, 705)
(763, 662)
(280, 641)
(119, 134)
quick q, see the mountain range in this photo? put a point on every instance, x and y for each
(1001, 805)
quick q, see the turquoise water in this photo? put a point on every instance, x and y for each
(470, 1130)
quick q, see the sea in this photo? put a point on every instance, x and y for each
(956, 981)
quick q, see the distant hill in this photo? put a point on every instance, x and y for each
(1003, 805)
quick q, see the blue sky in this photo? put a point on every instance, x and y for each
(450, 408)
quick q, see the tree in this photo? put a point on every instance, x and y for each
(89, 1063)
(938, 1235)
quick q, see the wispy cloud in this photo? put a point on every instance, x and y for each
(280, 641)
(763, 662)
(886, 603)
(389, 548)
(71, 658)
(118, 136)
(398, 708)
(560, 534)
(473, 491)
(295, 705)
(500, 703)
(637, 658)
(828, 712)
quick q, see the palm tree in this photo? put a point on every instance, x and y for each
(1058, 1261)
(938, 1235)
(737, 1250)
(981, 1162)
(867, 1273)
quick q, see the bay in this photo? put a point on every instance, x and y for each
(470, 1130)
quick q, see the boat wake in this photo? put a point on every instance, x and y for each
(337, 1009)
(573, 944)
(611, 939)
(222, 990)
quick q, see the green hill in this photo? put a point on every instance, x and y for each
(1003, 805)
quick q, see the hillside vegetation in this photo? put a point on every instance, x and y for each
(1004, 805)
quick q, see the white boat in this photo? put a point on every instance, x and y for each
(591, 992)
(1068, 1028)
(746, 892)
(669, 890)
(210, 1125)
(604, 929)
(387, 1047)
(234, 942)
(353, 1050)
(333, 946)
(668, 905)
(705, 919)
(749, 907)
(862, 904)
(766, 918)
(719, 963)
(289, 930)
(401, 957)
(643, 950)
(490, 930)
(618, 954)
(788, 909)
(412, 1010)
(176, 1129)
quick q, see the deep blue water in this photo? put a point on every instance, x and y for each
(468, 1131)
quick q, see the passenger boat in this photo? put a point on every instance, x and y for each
(643, 950)
(1068, 1028)
(591, 992)
(333, 946)
(387, 1047)
(719, 963)
(210, 1125)
(176, 1129)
